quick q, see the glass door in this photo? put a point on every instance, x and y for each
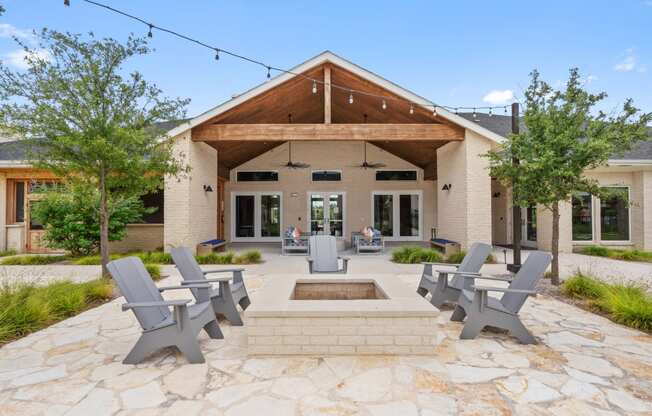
(529, 226)
(397, 214)
(257, 216)
(326, 213)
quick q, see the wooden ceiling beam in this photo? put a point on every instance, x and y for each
(321, 132)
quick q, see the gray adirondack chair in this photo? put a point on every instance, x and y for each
(225, 296)
(443, 291)
(161, 327)
(323, 255)
(482, 310)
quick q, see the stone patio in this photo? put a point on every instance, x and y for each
(584, 365)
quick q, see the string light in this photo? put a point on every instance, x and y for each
(217, 50)
(314, 87)
(434, 111)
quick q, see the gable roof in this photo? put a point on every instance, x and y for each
(330, 57)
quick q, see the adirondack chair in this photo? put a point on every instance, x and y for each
(161, 327)
(443, 291)
(482, 310)
(225, 297)
(323, 255)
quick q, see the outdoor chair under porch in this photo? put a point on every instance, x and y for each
(323, 255)
(160, 327)
(483, 310)
(225, 297)
(441, 290)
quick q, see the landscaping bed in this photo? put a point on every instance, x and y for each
(416, 254)
(28, 307)
(617, 254)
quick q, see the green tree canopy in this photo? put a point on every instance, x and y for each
(93, 121)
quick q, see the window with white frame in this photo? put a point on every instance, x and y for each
(397, 214)
(256, 215)
(582, 226)
(609, 216)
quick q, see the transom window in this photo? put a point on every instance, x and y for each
(257, 176)
(396, 175)
(326, 176)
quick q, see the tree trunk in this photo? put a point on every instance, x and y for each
(555, 244)
(104, 226)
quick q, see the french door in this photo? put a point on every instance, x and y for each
(529, 226)
(326, 213)
(397, 214)
(256, 216)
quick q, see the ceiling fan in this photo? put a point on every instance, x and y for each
(294, 165)
(367, 165)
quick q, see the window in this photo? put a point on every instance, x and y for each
(614, 215)
(396, 175)
(19, 202)
(154, 200)
(384, 214)
(270, 215)
(326, 176)
(256, 216)
(244, 215)
(409, 215)
(258, 176)
(582, 217)
(397, 214)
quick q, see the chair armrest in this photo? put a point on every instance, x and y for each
(470, 274)
(485, 277)
(503, 289)
(436, 263)
(182, 286)
(157, 304)
(204, 281)
(222, 271)
(343, 258)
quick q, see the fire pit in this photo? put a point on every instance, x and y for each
(331, 315)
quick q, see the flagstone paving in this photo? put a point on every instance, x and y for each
(584, 364)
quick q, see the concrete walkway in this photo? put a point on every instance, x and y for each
(584, 364)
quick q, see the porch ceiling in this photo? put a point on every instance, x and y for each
(291, 111)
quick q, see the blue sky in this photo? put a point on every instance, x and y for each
(454, 53)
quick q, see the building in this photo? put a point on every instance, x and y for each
(427, 173)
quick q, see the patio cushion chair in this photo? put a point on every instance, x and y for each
(482, 310)
(161, 327)
(441, 289)
(225, 296)
(323, 255)
(293, 245)
(373, 245)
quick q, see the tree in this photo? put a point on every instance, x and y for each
(68, 215)
(564, 137)
(93, 122)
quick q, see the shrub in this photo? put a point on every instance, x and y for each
(5, 253)
(216, 258)
(627, 304)
(71, 222)
(595, 251)
(456, 257)
(414, 254)
(31, 260)
(26, 308)
(154, 271)
(154, 257)
(248, 257)
(628, 255)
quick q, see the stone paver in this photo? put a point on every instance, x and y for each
(584, 364)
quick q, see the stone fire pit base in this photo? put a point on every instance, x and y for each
(400, 323)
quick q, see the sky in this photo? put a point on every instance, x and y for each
(463, 53)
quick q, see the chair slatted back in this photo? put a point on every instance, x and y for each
(136, 285)
(471, 263)
(323, 250)
(526, 279)
(187, 265)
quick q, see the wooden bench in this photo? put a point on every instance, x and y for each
(447, 247)
(207, 247)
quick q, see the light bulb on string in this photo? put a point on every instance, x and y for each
(434, 111)
(314, 87)
(150, 34)
(384, 105)
(411, 109)
(491, 111)
(66, 2)
(505, 110)
(269, 74)
(351, 98)
(457, 110)
(474, 113)
(217, 54)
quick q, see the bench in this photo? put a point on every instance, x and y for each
(207, 247)
(447, 247)
(291, 246)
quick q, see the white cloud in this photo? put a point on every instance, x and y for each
(17, 58)
(590, 79)
(10, 31)
(629, 63)
(496, 97)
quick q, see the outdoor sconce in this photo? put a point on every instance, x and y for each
(447, 187)
(497, 195)
(208, 188)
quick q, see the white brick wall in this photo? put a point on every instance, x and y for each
(341, 336)
(190, 213)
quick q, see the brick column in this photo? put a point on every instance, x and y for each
(190, 212)
(3, 212)
(464, 211)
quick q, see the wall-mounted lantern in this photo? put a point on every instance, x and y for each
(446, 187)
(208, 188)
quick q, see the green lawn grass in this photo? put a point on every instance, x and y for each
(618, 254)
(10, 252)
(25, 308)
(32, 260)
(628, 304)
